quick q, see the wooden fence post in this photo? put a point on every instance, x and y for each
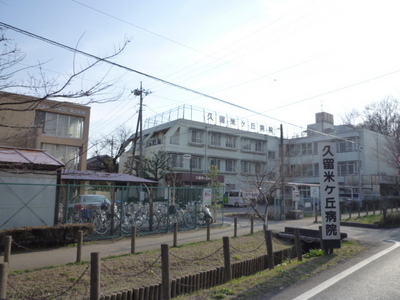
(316, 214)
(175, 234)
(133, 240)
(326, 250)
(3, 280)
(7, 249)
(94, 276)
(79, 245)
(297, 240)
(270, 251)
(166, 289)
(208, 230)
(252, 225)
(235, 227)
(227, 259)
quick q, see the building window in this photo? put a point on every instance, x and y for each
(271, 154)
(59, 125)
(306, 149)
(293, 150)
(246, 144)
(216, 139)
(177, 160)
(260, 167)
(307, 170)
(315, 145)
(316, 169)
(215, 162)
(230, 142)
(347, 146)
(348, 168)
(258, 146)
(196, 137)
(175, 138)
(196, 162)
(69, 155)
(230, 165)
(246, 168)
(230, 186)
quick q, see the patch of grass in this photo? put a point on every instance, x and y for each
(269, 282)
(392, 219)
(221, 293)
(370, 219)
(314, 253)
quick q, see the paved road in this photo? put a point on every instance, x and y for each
(371, 275)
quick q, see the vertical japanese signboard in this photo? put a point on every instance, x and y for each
(329, 192)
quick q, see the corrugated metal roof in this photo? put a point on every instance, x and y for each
(27, 156)
(101, 176)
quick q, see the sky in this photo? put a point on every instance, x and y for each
(272, 61)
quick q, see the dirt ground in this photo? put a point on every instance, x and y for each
(72, 281)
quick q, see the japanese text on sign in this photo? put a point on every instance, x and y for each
(329, 191)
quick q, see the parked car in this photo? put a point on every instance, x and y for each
(240, 198)
(84, 207)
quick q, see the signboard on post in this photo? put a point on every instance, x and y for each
(329, 190)
(207, 196)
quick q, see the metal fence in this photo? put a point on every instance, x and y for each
(113, 210)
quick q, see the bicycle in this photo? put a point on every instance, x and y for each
(197, 215)
(170, 215)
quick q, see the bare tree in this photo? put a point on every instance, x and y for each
(157, 167)
(108, 149)
(269, 182)
(382, 117)
(9, 58)
(43, 88)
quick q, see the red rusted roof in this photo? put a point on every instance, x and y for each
(10, 155)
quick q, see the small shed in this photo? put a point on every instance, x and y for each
(29, 181)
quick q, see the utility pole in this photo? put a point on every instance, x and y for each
(139, 130)
(282, 174)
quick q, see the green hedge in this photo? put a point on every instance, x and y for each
(39, 237)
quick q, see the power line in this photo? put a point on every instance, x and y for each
(30, 34)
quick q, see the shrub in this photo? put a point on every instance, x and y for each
(44, 236)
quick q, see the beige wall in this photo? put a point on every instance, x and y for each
(17, 123)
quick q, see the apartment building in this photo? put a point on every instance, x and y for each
(196, 146)
(59, 128)
(241, 154)
(363, 168)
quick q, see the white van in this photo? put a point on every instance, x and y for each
(239, 198)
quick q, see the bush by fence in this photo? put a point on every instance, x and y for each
(39, 237)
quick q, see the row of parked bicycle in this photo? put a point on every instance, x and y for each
(127, 216)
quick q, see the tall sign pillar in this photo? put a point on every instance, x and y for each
(329, 191)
